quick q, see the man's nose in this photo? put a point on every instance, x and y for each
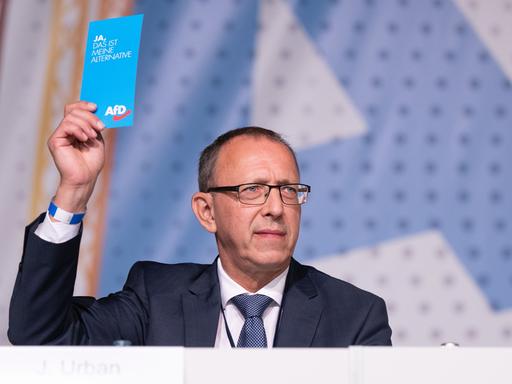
(274, 205)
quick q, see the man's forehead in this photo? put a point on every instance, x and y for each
(255, 151)
(246, 145)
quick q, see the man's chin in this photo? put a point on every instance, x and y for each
(272, 260)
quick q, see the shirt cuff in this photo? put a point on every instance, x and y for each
(56, 232)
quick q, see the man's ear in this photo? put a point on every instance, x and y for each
(202, 205)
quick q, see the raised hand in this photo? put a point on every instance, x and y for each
(78, 151)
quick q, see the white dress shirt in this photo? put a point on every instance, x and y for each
(56, 232)
(229, 289)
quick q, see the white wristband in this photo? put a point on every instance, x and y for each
(63, 216)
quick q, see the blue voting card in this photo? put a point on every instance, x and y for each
(110, 68)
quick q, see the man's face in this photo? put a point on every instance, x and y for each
(255, 239)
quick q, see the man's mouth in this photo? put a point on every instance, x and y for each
(270, 232)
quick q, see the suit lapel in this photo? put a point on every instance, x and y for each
(201, 309)
(301, 310)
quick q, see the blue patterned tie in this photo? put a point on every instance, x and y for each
(253, 331)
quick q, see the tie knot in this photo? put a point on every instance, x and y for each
(251, 305)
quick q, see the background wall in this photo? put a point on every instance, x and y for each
(400, 112)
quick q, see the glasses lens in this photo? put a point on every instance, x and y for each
(294, 193)
(252, 193)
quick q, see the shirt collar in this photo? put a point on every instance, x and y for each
(230, 288)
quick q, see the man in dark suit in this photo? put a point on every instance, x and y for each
(253, 295)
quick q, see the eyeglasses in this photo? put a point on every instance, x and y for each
(257, 194)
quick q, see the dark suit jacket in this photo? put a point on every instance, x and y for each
(177, 304)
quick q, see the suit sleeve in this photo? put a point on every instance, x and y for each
(375, 330)
(44, 311)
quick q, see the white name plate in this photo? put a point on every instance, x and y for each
(92, 365)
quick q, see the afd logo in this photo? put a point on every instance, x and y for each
(118, 112)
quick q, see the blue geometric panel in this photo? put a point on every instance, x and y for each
(440, 133)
